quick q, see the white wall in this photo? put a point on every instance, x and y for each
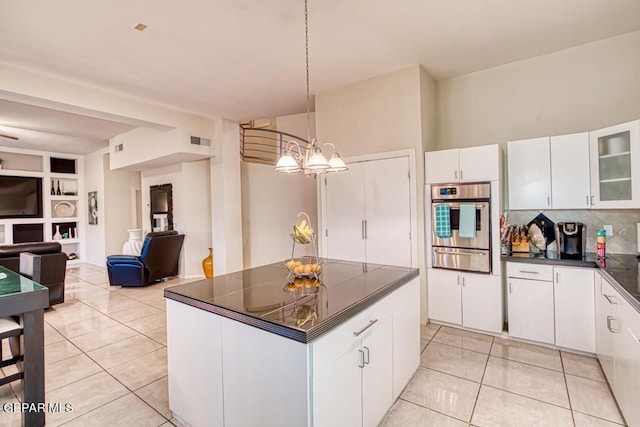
(574, 90)
(296, 124)
(94, 235)
(117, 209)
(226, 196)
(270, 203)
(195, 212)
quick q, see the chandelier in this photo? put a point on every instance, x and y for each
(310, 159)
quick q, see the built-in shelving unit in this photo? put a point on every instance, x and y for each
(62, 196)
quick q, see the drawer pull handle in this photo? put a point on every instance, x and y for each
(611, 301)
(609, 321)
(528, 272)
(361, 331)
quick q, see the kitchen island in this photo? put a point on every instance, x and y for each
(250, 348)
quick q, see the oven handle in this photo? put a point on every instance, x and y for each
(460, 252)
(457, 205)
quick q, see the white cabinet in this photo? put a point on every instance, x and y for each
(444, 296)
(482, 302)
(471, 164)
(627, 362)
(554, 305)
(570, 182)
(531, 310)
(574, 308)
(406, 335)
(618, 348)
(357, 389)
(368, 213)
(353, 375)
(615, 161)
(330, 411)
(606, 300)
(467, 299)
(529, 174)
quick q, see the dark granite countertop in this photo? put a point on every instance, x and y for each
(620, 269)
(259, 296)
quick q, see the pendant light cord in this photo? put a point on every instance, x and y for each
(306, 53)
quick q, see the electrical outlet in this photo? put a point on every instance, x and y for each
(608, 229)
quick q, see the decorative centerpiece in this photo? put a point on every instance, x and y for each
(307, 266)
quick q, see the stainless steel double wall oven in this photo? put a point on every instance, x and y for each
(451, 251)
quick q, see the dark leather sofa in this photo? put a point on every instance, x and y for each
(51, 265)
(158, 259)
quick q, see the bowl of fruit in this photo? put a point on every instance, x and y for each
(300, 270)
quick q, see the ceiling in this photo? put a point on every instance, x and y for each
(244, 59)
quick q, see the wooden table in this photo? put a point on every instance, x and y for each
(23, 297)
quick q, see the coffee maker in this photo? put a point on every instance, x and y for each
(571, 238)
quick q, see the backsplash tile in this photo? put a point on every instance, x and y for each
(624, 222)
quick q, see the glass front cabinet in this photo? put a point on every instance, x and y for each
(615, 166)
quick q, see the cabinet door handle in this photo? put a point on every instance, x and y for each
(548, 201)
(557, 277)
(591, 200)
(587, 200)
(366, 356)
(456, 174)
(463, 281)
(458, 281)
(365, 229)
(510, 291)
(361, 331)
(362, 229)
(461, 172)
(609, 298)
(361, 365)
(610, 319)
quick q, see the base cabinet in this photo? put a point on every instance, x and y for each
(605, 316)
(467, 299)
(531, 315)
(618, 349)
(574, 308)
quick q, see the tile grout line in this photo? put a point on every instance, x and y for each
(486, 365)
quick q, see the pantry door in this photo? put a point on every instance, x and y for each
(368, 214)
(344, 234)
(388, 212)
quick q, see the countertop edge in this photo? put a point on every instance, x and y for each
(296, 334)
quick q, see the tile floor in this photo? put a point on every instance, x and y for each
(105, 353)
(469, 379)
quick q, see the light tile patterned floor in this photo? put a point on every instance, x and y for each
(469, 379)
(105, 353)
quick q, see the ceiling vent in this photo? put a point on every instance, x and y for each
(205, 142)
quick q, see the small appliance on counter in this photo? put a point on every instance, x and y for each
(572, 239)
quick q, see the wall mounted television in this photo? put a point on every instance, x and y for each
(20, 197)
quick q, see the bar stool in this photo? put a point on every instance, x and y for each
(12, 330)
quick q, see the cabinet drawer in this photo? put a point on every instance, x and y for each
(523, 270)
(331, 346)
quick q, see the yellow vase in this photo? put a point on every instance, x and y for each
(207, 265)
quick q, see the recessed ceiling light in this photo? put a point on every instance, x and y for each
(140, 26)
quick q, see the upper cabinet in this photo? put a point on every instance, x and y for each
(583, 170)
(471, 164)
(615, 166)
(529, 174)
(570, 187)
